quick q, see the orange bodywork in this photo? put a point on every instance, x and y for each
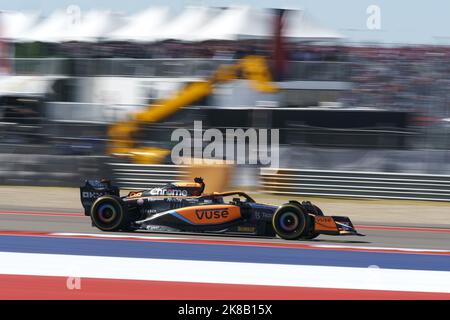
(188, 184)
(211, 214)
(323, 223)
(133, 194)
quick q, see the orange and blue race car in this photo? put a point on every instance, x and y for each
(183, 207)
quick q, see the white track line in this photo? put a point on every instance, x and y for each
(110, 236)
(230, 241)
(332, 246)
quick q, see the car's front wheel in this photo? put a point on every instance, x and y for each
(290, 222)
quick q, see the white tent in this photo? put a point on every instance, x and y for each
(246, 23)
(185, 25)
(50, 29)
(61, 26)
(237, 23)
(142, 26)
(193, 24)
(13, 25)
(300, 25)
(93, 26)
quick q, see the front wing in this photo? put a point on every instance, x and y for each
(334, 225)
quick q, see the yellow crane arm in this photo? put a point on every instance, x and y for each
(253, 68)
(188, 95)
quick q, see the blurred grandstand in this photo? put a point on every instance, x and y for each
(341, 107)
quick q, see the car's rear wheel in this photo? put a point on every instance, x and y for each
(290, 222)
(108, 214)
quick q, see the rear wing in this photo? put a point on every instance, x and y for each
(94, 189)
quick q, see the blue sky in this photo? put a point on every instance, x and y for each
(402, 21)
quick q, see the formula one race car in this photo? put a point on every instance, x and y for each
(182, 207)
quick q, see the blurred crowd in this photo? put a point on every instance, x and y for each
(404, 78)
(206, 50)
(412, 78)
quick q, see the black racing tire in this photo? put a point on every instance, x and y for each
(109, 214)
(290, 222)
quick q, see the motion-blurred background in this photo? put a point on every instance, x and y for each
(78, 91)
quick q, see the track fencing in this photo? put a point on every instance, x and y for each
(167, 67)
(381, 185)
(49, 170)
(141, 176)
(378, 185)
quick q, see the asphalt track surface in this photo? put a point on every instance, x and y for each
(387, 236)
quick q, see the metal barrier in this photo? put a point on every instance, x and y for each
(169, 67)
(356, 184)
(141, 176)
(304, 182)
(275, 181)
(49, 170)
